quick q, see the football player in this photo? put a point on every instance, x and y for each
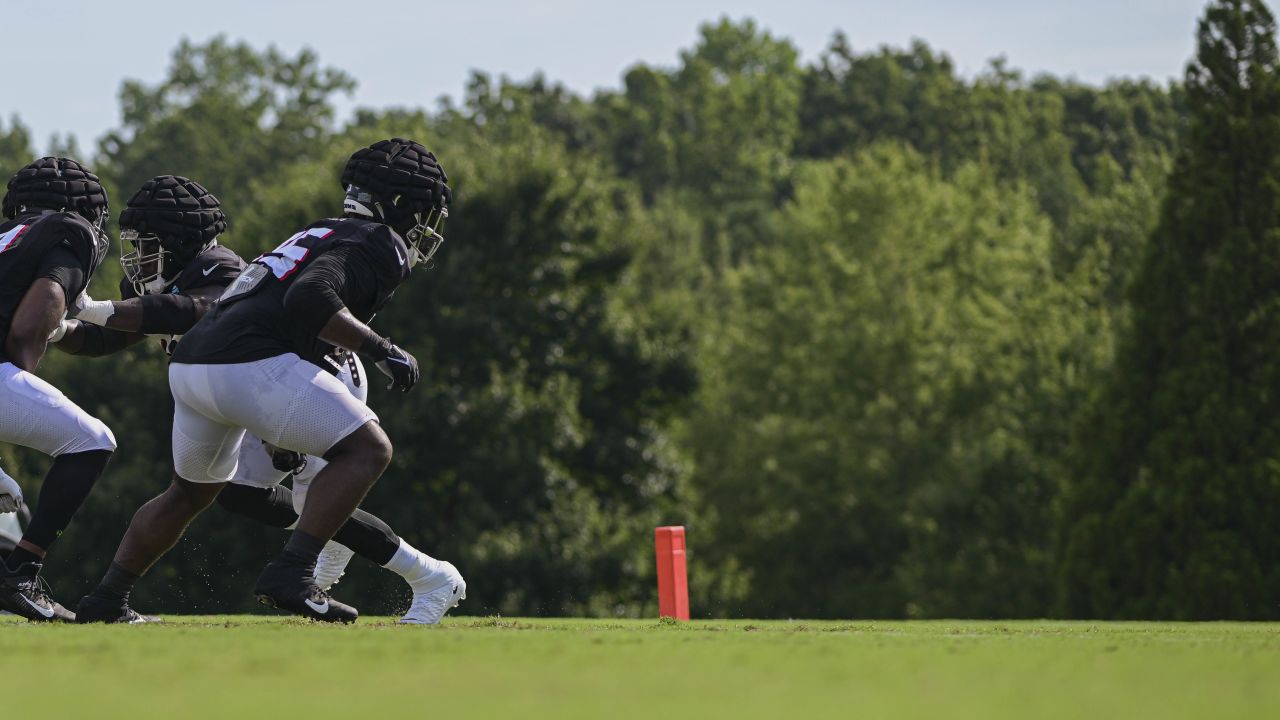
(51, 242)
(257, 491)
(173, 271)
(255, 362)
(173, 265)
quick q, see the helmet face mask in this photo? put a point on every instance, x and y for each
(99, 225)
(145, 265)
(425, 237)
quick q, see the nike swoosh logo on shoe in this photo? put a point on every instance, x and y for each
(46, 612)
(322, 609)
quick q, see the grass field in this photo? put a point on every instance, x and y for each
(273, 667)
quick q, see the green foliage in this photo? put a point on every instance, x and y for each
(1177, 512)
(719, 129)
(917, 486)
(225, 115)
(839, 319)
(15, 147)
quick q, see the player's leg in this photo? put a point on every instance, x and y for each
(155, 528)
(159, 524)
(437, 585)
(37, 415)
(353, 465)
(355, 462)
(205, 448)
(293, 404)
(268, 505)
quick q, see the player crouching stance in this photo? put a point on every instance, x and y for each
(50, 244)
(254, 363)
(174, 270)
(257, 491)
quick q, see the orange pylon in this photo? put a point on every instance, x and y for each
(673, 580)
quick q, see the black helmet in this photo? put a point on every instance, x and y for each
(400, 183)
(168, 222)
(56, 183)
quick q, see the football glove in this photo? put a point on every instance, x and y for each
(10, 494)
(288, 460)
(86, 309)
(60, 332)
(392, 361)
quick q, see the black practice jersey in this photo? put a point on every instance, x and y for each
(250, 322)
(61, 246)
(217, 266)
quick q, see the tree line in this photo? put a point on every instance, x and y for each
(890, 341)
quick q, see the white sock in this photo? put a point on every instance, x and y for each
(408, 561)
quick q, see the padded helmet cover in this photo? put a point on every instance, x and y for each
(181, 212)
(400, 173)
(55, 183)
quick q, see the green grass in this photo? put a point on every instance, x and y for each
(273, 667)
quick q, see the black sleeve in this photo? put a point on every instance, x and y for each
(168, 314)
(99, 341)
(342, 277)
(62, 266)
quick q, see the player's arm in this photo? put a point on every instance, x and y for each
(85, 339)
(41, 309)
(160, 314)
(320, 297)
(37, 316)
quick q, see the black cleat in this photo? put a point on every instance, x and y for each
(96, 608)
(25, 594)
(286, 587)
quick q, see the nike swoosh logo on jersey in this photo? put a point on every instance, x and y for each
(399, 256)
(46, 612)
(322, 609)
(211, 269)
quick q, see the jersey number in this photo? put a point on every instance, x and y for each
(281, 262)
(9, 239)
(284, 260)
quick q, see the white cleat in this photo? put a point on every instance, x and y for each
(439, 588)
(332, 564)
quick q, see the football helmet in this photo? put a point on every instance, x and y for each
(56, 184)
(167, 223)
(400, 183)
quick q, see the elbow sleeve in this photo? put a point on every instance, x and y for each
(99, 341)
(168, 314)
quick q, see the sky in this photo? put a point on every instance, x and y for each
(65, 61)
